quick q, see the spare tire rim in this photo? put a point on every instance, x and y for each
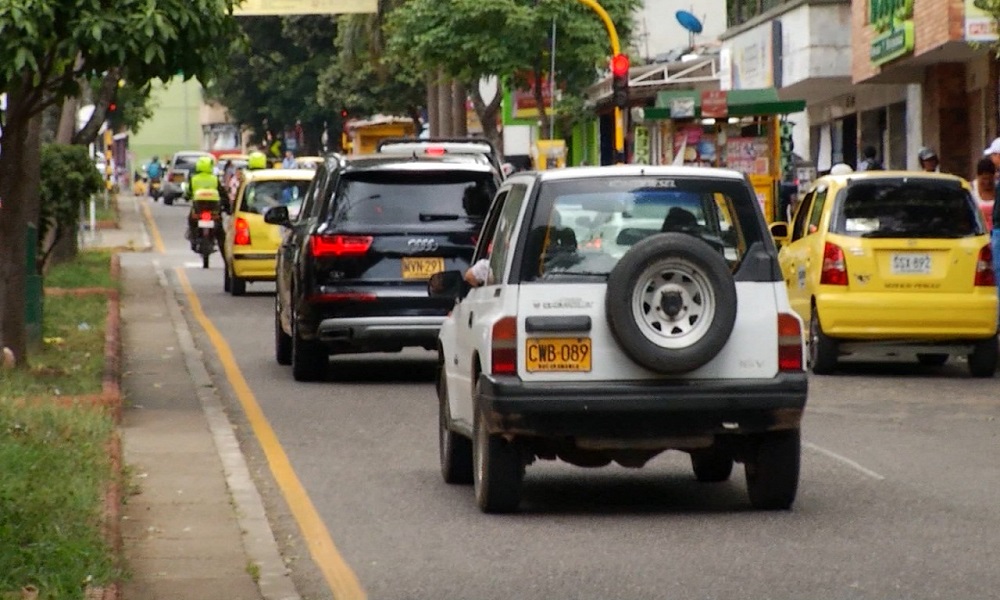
(673, 303)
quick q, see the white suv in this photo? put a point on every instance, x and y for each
(676, 334)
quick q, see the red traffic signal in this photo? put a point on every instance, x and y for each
(112, 107)
(619, 65)
(343, 113)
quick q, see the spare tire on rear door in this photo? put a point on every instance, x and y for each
(671, 302)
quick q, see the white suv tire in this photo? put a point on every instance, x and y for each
(498, 470)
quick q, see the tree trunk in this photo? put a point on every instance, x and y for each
(90, 130)
(67, 121)
(17, 197)
(444, 106)
(488, 114)
(459, 121)
(433, 116)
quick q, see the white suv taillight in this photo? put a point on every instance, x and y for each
(789, 343)
(984, 268)
(503, 353)
(834, 268)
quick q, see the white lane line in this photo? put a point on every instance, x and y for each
(843, 459)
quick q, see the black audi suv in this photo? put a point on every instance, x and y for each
(352, 269)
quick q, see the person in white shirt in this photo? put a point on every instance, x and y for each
(478, 273)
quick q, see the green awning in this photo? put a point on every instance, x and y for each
(741, 103)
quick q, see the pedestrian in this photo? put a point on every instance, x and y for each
(992, 152)
(289, 161)
(929, 160)
(869, 162)
(984, 189)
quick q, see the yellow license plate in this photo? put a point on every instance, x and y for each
(557, 354)
(421, 268)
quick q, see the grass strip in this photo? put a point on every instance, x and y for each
(91, 268)
(55, 473)
(70, 360)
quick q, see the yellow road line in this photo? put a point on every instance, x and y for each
(153, 229)
(339, 576)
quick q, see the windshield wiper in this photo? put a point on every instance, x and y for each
(424, 217)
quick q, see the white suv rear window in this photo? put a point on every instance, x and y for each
(583, 227)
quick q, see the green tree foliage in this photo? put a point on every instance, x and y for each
(472, 39)
(46, 49)
(68, 181)
(363, 79)
(269, 80)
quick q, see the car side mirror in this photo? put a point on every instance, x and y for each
(779, 231)
(447, 284)
(278, 215)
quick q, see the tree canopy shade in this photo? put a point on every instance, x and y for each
(46, 49)
(471, 39)
(269, 79)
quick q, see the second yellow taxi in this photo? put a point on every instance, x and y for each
(893, 262)
(251, 245)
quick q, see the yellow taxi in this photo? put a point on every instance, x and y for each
(891, 262)
(251, 245)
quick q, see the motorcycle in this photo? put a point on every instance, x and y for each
(207, 208)
(154, 188)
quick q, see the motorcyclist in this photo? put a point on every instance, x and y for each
(154, 170)
(203, 179)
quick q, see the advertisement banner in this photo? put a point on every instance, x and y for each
(253, 8)
(979, 25)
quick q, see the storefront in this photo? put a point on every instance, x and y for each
(736, 129)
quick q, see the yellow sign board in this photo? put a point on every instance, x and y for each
(253, 8)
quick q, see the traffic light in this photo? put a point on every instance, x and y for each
(619, 85)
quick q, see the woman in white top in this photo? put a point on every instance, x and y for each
(984, 189)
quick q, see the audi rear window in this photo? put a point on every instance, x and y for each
(433, 199)
(907, 208)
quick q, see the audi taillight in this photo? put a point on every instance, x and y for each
(789, 343)
(242, 237)
(984, 268)
(206, 215)
(503, 355)
(834, 268)
(339, 245)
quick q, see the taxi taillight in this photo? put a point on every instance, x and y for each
(789, 343)
(242, 237)
(834, 267)
(984, 268)
(503, 354)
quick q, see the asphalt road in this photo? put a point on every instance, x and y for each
(898, 495)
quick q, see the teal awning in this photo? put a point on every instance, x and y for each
(741, 103)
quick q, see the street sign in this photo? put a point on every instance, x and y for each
(253, 8)
(714, 104)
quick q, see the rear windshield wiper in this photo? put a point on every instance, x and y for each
(424, 217)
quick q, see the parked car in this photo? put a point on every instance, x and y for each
(892, 261)
(178, 173)
(352, 271)
(575, 351)
(251, 245)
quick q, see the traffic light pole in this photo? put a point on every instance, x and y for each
(615, 50)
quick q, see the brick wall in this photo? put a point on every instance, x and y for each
(946, 103)
(935, 22)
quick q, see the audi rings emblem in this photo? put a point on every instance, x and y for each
(422, 244)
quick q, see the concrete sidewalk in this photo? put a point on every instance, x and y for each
(195, 527)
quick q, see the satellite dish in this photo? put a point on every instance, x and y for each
(689, 21)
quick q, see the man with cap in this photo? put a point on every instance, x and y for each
(993, 153)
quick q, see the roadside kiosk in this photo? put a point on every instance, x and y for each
(736, 129)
